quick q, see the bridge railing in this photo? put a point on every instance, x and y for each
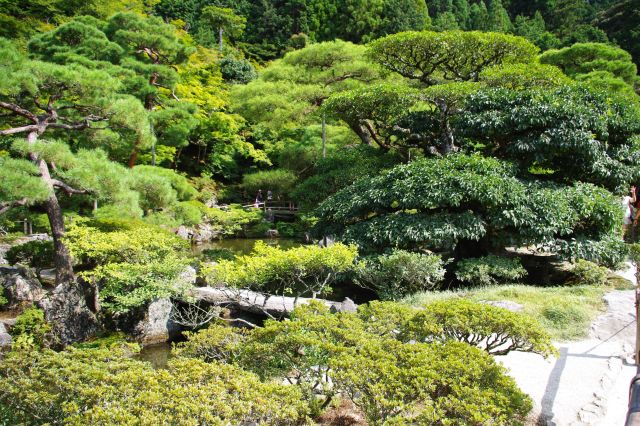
(277, 205)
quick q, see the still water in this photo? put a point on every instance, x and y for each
(245, 245)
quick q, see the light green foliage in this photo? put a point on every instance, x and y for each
(588, 273)
(37, 254)
(214, 343)
(395, 383)
(233, 221)
(3, 300)
(401, 273)
(113, 241)
(30, 329)
(584, 58)
(565, 312)
(440, 203)
(221, 20)
(180, 184)
(280, 181)
(524, 76)
(433, 58)
(389, 380)
(306, 270)
(496, 330)
(132, 263)
(100, 386)
(489, 270)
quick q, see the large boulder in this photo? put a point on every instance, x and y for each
(157, 325)
(20, 285)
(70, 310)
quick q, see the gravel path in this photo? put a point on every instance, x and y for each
(588, 383)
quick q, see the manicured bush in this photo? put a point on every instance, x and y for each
(37, 254)
(131, 263)
(237, 70)
(306, 270)
(450, 383)
(496, 330)
(107, 386)
(589, 273)
(214, 343)
(124, 285)
(120, 242)
(401, 273)
(490, 270)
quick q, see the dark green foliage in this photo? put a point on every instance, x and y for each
(621, 22)
(572, 133)
(37, 254)
(490, 270)
(340, 170)
(237, 70)
(468, 203)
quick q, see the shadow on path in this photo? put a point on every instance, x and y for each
(553, 384)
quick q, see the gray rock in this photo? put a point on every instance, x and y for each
(505, 304)
(272, 233)
(5, 338)
(349, 305)
(157, 326)
(204, 233)
(66, 309)
(212, 202)
(184, 232)
(20, 285)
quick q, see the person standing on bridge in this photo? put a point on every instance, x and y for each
(269, 195)
(258, 198)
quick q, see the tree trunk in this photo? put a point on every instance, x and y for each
(220, 31)
(447, 140)
(66, 307)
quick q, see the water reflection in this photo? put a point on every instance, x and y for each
(245, 245)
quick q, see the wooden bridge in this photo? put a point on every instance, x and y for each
(284, 209)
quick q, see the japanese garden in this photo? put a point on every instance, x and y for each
(308, 212)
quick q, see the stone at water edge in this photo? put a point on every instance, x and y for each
(157, 326)
(5, 338)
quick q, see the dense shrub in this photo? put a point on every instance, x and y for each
(130, 263)
(401, 273)
(361, 356)
(490, 270)
(132, 242)
(285, 229)
(106, 386)
(37, 254)
(233, 221)
(589, 273)
(215, 343)
(237, 70)
(496, 330)
(279, 181)
(451, 383)
(306, 270)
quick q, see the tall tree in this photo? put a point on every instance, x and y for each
(223, 20)
(41, 98)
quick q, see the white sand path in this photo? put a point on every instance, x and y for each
(588, 383)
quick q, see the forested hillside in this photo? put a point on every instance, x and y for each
(385, 150)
